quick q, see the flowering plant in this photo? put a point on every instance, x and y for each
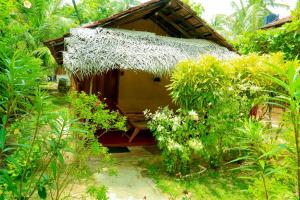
(95, 114)
(178, 135)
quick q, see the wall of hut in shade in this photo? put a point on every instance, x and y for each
(141, 90)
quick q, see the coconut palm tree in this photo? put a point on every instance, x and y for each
(28, 23)
(247, 16)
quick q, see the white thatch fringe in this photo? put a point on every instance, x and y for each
(93, 51)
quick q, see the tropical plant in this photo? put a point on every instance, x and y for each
(290, 100)
(260, 161)
(208, 86)
(86, 11)
(95, 114)
(28, 23)
(284, 39)
(178, 137)
(98, 192)
(196, 6)
(23, 174)
(20, 73)
(52, 153)
(248, 16)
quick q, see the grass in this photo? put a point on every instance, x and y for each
(211, 185)
(60, 99)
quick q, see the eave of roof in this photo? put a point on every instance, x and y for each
(278, 23)
(95, 51)
(175, 17)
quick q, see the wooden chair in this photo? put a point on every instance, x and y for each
(135, 120)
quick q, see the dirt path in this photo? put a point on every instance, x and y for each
(129, 184)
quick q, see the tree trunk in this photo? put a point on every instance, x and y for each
(77, 11)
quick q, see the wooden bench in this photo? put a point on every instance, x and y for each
(136, 121)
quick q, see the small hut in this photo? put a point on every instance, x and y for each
(127, 58)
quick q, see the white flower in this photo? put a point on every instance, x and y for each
(27, 4)
(160, 128)
(176, 123)
(193, 115)
(147, 114)
(195, 144)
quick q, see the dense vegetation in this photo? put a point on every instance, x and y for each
(45, 145)
(215, 127)
(247, 16)
(285, 39)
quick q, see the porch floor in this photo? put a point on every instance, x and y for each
(118, 139)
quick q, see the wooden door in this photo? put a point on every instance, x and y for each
(105, 86)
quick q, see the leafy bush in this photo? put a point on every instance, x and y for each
(20, 74)
(176, 133)
(40, 139)
(46, 151)
(221, 94)
(283, 39)
(260, 162)
(94, 114)
(221, 97)
(98, 192)
(290, 100)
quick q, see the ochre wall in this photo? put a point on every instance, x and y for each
(138, 91)
(144, 25)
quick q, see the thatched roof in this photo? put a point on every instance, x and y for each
(277, 23)
(93, 51)
(173, 16)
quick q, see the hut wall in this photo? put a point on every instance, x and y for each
(138, 91)
(144, 25)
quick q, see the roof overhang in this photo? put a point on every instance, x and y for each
(278, 23)
(173, 16)
(94, 51)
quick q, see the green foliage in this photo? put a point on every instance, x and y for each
(290, 100)
(176, 133)
(99, 193)
(95, 114)
(93, 10)
(25, 169)
(209, 86)
(25, 27)
(284, 39)
(196, 6)
(51, 153)
(214, 185)
(247, 17)
(220, 94)
(20, 73)
(260, 156)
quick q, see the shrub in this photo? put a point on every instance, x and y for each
(222, 94)
(262, 162)
(214, 90)
(94, 114)
(35, 161)
(176, 133)
(283, 39)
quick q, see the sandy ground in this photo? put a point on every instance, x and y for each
(129, 183)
